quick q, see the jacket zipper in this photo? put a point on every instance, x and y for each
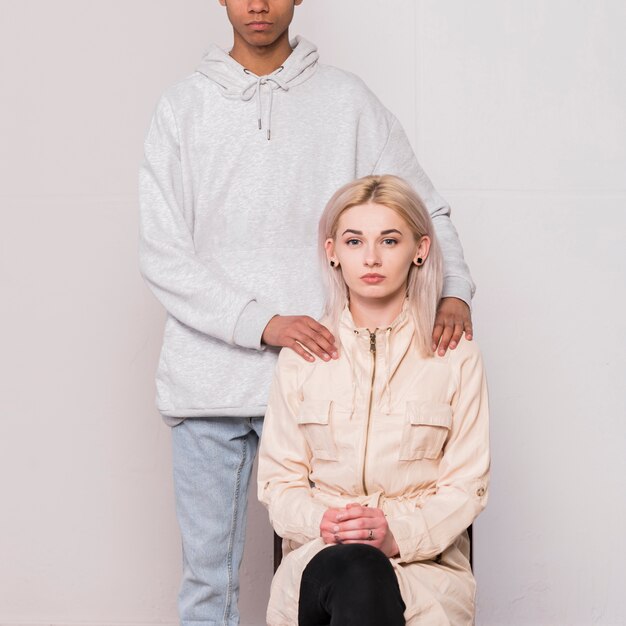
(369, 408)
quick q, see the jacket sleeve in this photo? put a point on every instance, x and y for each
(190, 289)
(464, 473)
(398, 158)
(284, 461)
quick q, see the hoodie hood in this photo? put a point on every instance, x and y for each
(234, 78)
(236, 81)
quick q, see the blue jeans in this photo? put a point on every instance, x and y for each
(212, 459)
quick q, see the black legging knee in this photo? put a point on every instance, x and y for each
(347, 585)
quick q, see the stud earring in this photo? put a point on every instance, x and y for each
(419, 261)
(332, 264)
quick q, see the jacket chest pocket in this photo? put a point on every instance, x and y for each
(314, 420)
(426, 429)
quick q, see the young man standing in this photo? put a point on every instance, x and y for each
(240, 159)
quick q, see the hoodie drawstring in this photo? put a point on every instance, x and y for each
(239, 83)
(254, 88)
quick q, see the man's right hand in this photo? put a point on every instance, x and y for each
(302, 334)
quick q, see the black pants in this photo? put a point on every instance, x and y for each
(350, 584)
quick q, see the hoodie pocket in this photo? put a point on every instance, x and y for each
(426, 429)
(314, 419)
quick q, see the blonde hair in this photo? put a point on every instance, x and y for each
(424, 283)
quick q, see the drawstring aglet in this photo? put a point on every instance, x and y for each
(260, 125)
(269, 133)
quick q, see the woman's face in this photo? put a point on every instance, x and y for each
(374, 248)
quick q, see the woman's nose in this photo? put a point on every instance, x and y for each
(371, 258)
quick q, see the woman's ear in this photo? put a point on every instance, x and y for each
(423, 248)
(329, 246)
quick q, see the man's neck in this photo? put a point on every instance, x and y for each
(261, 60)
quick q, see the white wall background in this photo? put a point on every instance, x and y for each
(516, 110)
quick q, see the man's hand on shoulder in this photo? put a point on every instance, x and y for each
(302, 334)
(453, 319)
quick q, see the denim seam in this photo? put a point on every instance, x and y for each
(231, 538)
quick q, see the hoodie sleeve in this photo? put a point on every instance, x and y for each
(397, 158)
(464, 473)
(284, 462)
(192, 291)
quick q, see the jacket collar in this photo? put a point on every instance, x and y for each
(346, 321)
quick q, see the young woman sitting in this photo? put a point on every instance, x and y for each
(373, 465)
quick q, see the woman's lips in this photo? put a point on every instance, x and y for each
(372, 279)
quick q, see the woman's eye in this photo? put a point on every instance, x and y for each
(390, 242)
(352, 242)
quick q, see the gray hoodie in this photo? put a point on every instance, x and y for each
(237, 171)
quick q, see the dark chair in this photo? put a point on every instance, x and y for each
(278, 549)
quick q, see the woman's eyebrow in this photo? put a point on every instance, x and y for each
(360, 232)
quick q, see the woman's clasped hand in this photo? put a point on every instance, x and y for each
(358, 524)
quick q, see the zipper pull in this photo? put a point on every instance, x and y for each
(373, 343)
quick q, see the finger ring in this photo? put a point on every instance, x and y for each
(370, 536)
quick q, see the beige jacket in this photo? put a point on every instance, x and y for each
(384, 426)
